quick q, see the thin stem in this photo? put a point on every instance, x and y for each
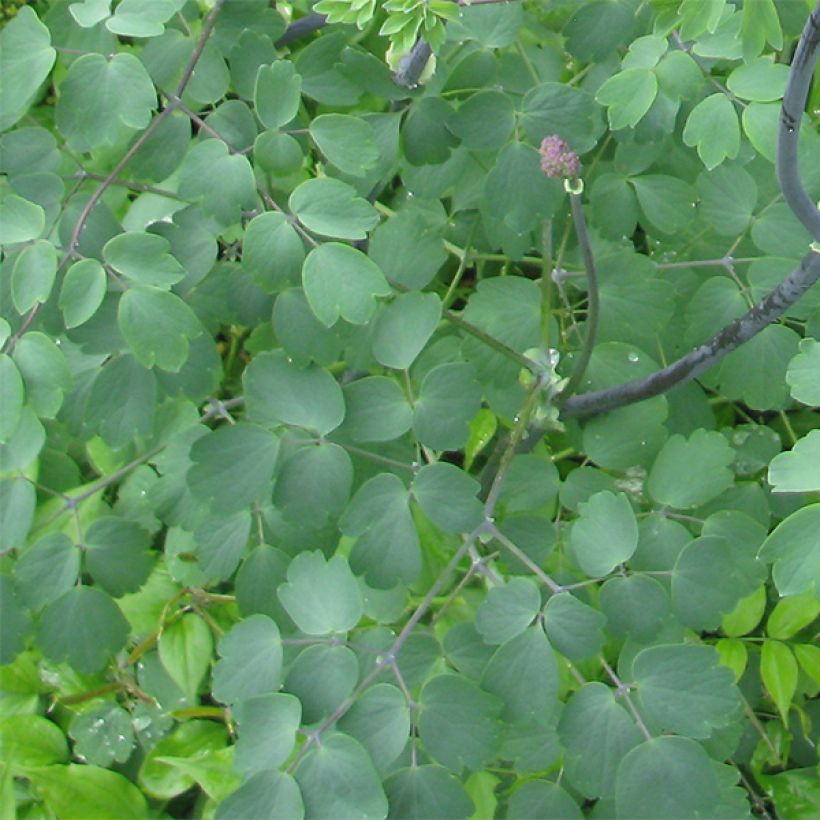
(488, 340)
(623, 691)
(546, 282)
(592, 296)
(525, 559)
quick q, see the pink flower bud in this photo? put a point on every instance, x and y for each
(558, 160)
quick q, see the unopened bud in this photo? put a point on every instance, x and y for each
(558, 160)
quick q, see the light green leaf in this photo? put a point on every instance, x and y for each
(760, 25)
(447, 495)
(347, 141)
(458, 723)
(123, 99)
(508, 610)
(797, 470)
(272, 252)
(596, 29)
(20, 220)
(84, 627)
(251, 661)
(404, 327)
(667, 778)
(778, 668)
(321, 596)
(267, 793)
(82, 292)
(138, 18)
(448, 399)
(713, 127)
(684, 689)
(26, 61)
(83, 792)
(803, 374)
(185, 649)
(340, 281)
(704, 459)
(144, 258)
(267, 731)
(279, 392)
(746, 614)
(628, 95)
(761, 80)
(523, 673)
(158, 327)
(337, 779)
(332, 208)
(794, 547)
(277, 94)
(596, 732)
(376, 410)
(30, 741)
(605, 533)
(233, 466)
(33, 275)
(220, 543)
(427, 792)
(792, 614)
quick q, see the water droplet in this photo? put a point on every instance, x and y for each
(142, 492)
(633, 356)
(410, 194)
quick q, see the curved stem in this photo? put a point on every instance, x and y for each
(702, 358)
(794, 101)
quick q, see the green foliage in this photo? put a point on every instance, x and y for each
(291, 521)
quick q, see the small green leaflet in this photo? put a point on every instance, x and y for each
(251, 660)
(346, 141)
(331, 207)
(605, 533)
(279, 392)
(233, 466)
(628, 95)
(684, 689)
(267, 731)
(321, 596)
(713, 127)
(144, 258)
(82, 292)
(797, 470)
(277, 93)
(340, 281)
(508, 610)
(123, 99)
(33, 275)
(158, 327)
(27, 58)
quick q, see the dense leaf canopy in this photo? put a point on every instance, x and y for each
(409, 408)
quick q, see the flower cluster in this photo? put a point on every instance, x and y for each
(558, 160)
